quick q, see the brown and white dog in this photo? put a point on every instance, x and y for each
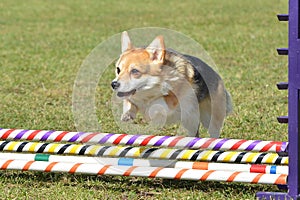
(168, 87)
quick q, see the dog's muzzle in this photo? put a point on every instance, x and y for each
(115, 85)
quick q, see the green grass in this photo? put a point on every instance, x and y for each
(43, 43)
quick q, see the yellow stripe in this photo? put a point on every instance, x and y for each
(138, 151)
(286, 161)
(115, 151)
(52, 148)
(187, 154)
(229, 156)
(32, 146)
(206, 155)
(12, 146)
(93, 151)
(74, 148)
(250, 158)
(165, 153)
(271, 157)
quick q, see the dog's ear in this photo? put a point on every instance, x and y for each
(125, 42)
(157, 49)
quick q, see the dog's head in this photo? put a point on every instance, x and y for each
(138, 69)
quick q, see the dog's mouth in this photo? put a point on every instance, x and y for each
(126, 94)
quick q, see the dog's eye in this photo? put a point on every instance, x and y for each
(135, 71)
(118, 70)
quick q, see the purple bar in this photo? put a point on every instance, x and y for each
(219, 144)
(75, 137)
(132, 139)
(283, 147)
(105, 138)
(46, 135)
(160, 141)
(20, 135)
(191, 143)
(252, 145)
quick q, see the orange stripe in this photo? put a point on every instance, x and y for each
(256, 179)
(200, 165)
(103, 169)
(232, 177)
(27, 165)
(5, 165)
(74, 168)
(179, 174)
(206, 175)
(155, 172)
(50, 166)
(128, 172)
(281, 180)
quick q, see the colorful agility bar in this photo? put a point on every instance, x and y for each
(151, 172)
(144, 140)
(254, 168)
(143, 152)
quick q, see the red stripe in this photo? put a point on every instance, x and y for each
(50, 166)
(88, 137)
(33, 134)
(146, 140)
(155, 172)
(27, 165)
(60, 136)
(180, 173)
(208, 142)
(103, 170)
(174, 141)
(74, 168)
(238, 144)
(5, 165)
(258, 168)
(7, 133)
(118, 139)
(268, 146)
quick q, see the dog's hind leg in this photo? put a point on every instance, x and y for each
(218, 111)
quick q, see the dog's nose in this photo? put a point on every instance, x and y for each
(115, 85)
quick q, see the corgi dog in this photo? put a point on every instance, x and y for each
(166, 87)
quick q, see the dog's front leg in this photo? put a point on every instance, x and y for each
(129, 111)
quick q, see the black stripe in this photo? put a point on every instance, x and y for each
(20, 148)
(125, 151)
(42, 148)
(148, 152)
(278, 160)
(3, 145)
(216, 156)
(83, 149)
(260, 158)
(102, 150)
(175, 154)
(240, 157)
(63, 148)
(195, 155)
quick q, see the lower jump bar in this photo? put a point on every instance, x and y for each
(150, 172)
(253, 168)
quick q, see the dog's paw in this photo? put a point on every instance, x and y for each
(127, 117)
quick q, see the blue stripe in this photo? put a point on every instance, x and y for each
(125, 161)
(273, 169)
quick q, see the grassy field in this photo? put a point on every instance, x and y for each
(42, 46)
